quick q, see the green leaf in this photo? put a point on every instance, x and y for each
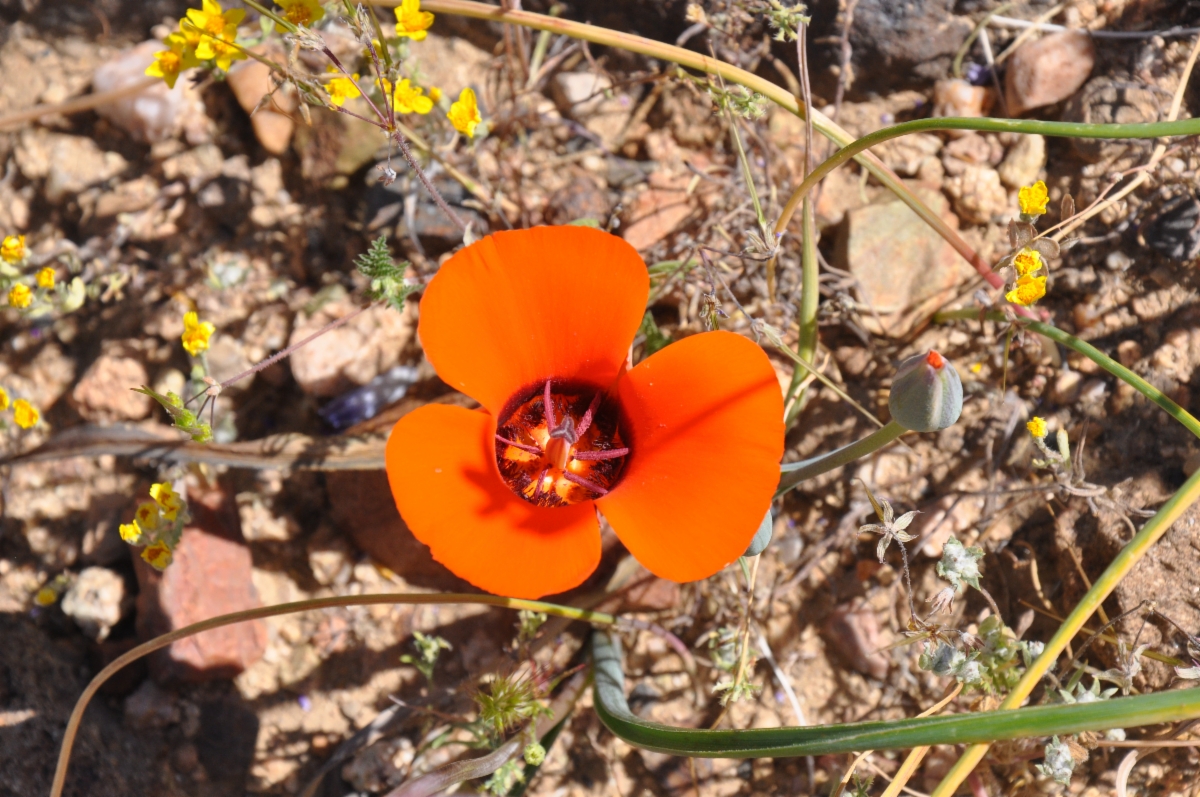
(656, 339)
(762, 537)
(387, 276)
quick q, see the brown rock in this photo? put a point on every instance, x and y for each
(957, 97)
(350, 355)
(155, 113)
(210, 576)
(656, 213)
(105, 393)
(580, 199)
(273, 126)
(1024, 162)
(362, 507)
(898, 259)
(1048, 70)
(978, 195)
(853, 631)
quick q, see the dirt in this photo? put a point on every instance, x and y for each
(263, 246)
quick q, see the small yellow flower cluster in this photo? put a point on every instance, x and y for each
(25, 414)
(206, 34)
(411, 21)
(341, 88)
(13, 250)
(464, 113)
(1030, 286)
(1037, 427)
(1033, 199)
(158, 525)
(196, 333)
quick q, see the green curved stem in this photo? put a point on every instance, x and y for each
(146, 648)
(1092, 353)
(796, 472)
(613, 710)
(1182, 127)
(692, 60)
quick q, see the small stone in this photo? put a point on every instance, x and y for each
(855, 634)
(150, 707)
(1117, 260)
(979, 198)
(273, 127)
(905, 155)
(330, 557)
(1129, 352)
(69, 164)
(1024, 162)
(1105, 100)
(353, 354)
(898, 260)
(579, 199)
(1048, 70)
(197, 166)
(95, 601)
(127, 197)
(656, 213)
(1066, 387)
(210, 576)
(105, 392)
(156, 113)
(957, 97)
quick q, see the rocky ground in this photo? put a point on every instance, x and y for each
(188, 202)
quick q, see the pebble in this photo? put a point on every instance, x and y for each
(978, 195)
(150, 707)
(273, 127)
(1067, 387)
(68, 163)
(210, 576)
(351, 355)
(855, 634)
(1024, 162)
(1048, 70)
(957, 97)
(105, 392)
(95, 601)
(156, 113)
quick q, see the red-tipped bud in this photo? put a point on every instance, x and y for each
(926, 393)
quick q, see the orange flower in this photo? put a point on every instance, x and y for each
(680, 453)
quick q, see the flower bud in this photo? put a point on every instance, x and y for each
(926, 393)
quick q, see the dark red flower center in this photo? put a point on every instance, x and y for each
(560, 445)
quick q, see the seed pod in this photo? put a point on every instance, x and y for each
(926, 393)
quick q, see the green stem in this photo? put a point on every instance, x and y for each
(613, 710)
(1092, 353)
(1182, 127)
(692, 60)
(810, 288)
(146, 648)
(796, 472)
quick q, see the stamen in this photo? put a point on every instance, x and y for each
(521, 446)
(548, 404)
(592, 456)
(539, 489)
(582, 482)
(586, 421)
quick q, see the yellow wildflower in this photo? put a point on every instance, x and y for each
(46, 596)
(196, 333)
(170, 62)
(211, 31)
(435, 94)
(1027, 291)
(342, 88)
(20, 296)
(1033, 199)
(25, 414)
(3, 399)
(1037, 427)
(1026, 262)
(147, 516)
(411, 99)
(157, 555)
(167, 499)
(464, 113)
(411, 21)
(131, 532)
(299, 12)
(45, 277)
(13, 248)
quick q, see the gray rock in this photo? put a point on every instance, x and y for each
(95, 601)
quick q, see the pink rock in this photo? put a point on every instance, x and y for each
(209, 576)
(155, 113)
(105, 393)
(1048, 70)
(273, 126)
(350, 355)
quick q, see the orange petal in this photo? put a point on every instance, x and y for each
(705, 417)
(441, 464)
(517, 308)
